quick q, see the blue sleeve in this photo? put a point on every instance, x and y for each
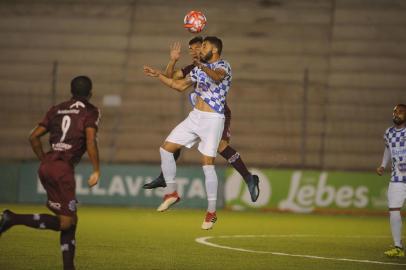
(194, 75)
(385, 139)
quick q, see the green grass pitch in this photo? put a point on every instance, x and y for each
(133, 238)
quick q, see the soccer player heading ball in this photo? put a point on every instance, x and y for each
(224, 149)
(204, 125)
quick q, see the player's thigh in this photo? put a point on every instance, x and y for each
(226, 136)
(182, 135)
(46, 173)
(210, 131)
(61, 188)
(45, 177)
(396, 194)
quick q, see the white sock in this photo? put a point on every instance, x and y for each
(211, 186)
(168, 166)
(396, 227)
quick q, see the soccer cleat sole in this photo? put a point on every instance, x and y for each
(207, 225)
(167, 204)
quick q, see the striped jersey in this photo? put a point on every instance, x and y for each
(395, 141)
(214, 94)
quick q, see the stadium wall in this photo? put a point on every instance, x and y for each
(281, 190)
(314, 81)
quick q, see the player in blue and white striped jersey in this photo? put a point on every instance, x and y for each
(225, 150)
(204, 125)
(395, 150)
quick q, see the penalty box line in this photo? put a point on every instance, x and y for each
(204, 241)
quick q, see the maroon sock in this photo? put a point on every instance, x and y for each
(37, 221)
(234, 158)
(176, 156)
(68, 244)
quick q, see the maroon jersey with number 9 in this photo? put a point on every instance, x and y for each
(66, 123)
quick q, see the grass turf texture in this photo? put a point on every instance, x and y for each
(133, 238)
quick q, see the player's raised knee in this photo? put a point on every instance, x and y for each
(207, 160)
(66, 222)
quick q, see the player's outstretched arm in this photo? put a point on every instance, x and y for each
(385, 160)
(93, 152)
(35, 141)
(179, 85)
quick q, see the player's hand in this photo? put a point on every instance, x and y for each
(380, 170)
(149, 71)
(93, 179)
(175, 51)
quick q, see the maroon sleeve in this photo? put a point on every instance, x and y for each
(92, 118)
(186, 70)
(47, 118)
(227, 111)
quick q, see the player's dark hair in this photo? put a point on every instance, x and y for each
(216, 42)
(80, 86)
(198, 39)
(401, 105)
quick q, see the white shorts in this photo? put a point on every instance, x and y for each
(206, 127)
(396, 194)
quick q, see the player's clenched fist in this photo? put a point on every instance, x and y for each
(380, 170)
(93, 179)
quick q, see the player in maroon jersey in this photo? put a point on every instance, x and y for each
(224, 149)
(72, 126)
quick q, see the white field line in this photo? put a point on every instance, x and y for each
(204, 241)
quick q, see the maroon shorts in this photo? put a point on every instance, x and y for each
(226, 131)
(58, 179)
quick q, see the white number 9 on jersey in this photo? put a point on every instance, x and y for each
(65, 126)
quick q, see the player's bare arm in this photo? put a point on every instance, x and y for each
(179, 85)
(216, 75)
(93, 152)
(35, 141)
(174, 56)
(385, 160)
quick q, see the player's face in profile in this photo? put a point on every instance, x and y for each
(399, 115)
(206, 52)
(194, 50)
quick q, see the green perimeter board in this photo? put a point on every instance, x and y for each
(122, 185)
(309, 191)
